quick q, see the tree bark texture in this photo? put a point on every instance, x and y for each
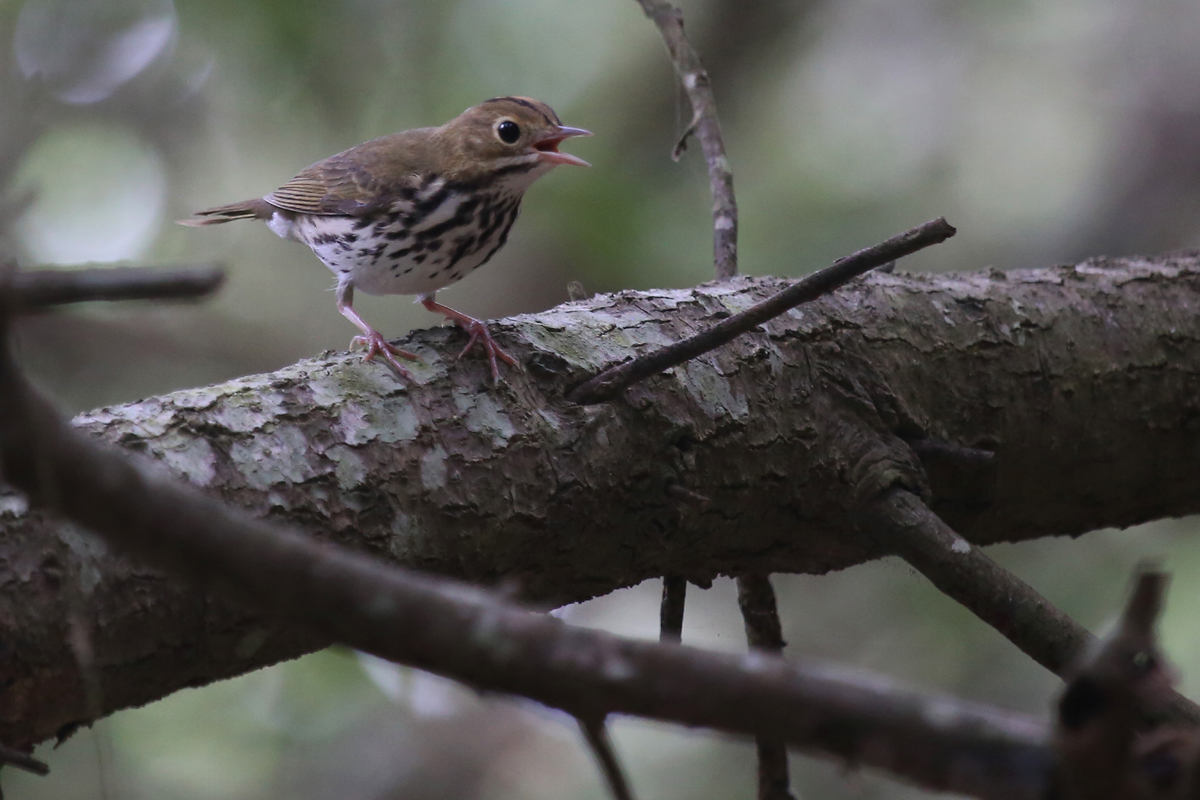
(1084, 380)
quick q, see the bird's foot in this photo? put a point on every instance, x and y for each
(478, 330)
(481, 336)
(376, 345)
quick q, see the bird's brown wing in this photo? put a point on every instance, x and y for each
(363, 180)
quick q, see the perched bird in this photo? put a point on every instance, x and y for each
(415, 211)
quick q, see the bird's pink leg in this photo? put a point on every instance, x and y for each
(372, 339)
(478, 332)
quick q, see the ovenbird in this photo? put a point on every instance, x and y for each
(415, 211)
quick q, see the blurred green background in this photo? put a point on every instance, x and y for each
(1046, 130)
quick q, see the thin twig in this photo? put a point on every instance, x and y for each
(670, 612)
(707, 128)
(608, 383)
(760, 615)
(13, 757)
(31, 290)
(596, 734)
(476, 637)
(904, 525)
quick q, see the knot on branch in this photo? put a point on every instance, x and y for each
(962, 479)
(881, 464)
(874, 425)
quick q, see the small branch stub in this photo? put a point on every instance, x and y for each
(1105, 745)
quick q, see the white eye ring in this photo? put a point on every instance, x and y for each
(508, 131)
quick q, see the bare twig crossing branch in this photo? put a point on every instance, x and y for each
(707, 128)
(611, 381)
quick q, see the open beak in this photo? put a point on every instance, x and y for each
(547, 146)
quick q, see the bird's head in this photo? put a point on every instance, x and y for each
(505, 136)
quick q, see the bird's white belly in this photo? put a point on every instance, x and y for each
(387, 255)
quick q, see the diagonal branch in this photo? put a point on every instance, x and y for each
(609, 383)
(707, 128)
(904, 525)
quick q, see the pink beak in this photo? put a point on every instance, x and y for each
(547, 146)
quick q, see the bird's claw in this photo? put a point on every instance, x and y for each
(480, 334)
(376, 345)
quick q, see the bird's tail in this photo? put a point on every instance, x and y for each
(249, 209)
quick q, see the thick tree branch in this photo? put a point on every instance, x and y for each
(475, 637)
(1061, 373)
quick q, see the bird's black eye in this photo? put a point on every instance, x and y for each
(508, 131)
